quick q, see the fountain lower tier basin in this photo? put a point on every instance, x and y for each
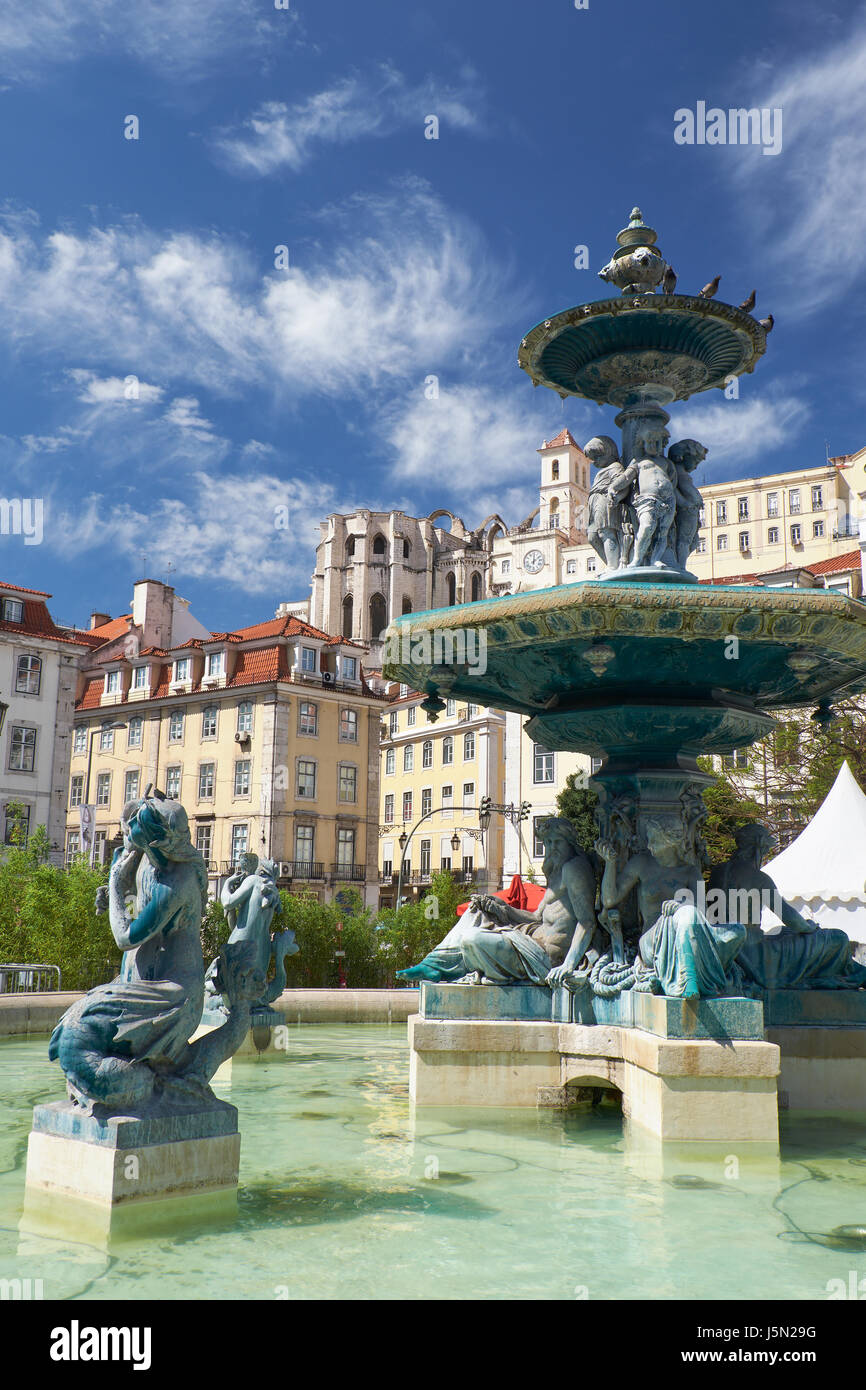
(637, 669)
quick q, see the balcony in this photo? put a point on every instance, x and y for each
(301, 868)
(349, 873)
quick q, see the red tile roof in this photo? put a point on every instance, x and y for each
(115, 627)
(36, 621)
(837, 564)
(19, 589)
(564, 437)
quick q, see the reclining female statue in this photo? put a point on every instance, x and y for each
(495, 943)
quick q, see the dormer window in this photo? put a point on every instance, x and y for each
(182, 668)
(139, 678)
(308, 658)
(12, 610)
(216, 664)
(112, 682)
(349, 668)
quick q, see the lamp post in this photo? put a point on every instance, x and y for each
(100, 728)
(485, 810)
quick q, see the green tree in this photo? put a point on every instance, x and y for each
(728, 809)
(577, 803)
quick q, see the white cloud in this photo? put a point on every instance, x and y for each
(740, 432)
(472, 440)
(808, 202)
(407, 287)
(97, 390)
(176, 37)
(277, 136)
(183, 414)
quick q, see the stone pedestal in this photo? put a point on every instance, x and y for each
(83, 1171)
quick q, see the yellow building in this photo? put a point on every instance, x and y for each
(438, 773)
(269, 736)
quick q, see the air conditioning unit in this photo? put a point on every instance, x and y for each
(327, 678)
(242, 738)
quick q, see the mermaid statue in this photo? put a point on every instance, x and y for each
(250, 898)
(124, 1047)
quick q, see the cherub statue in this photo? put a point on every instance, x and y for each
(655, 500)
(609, 529)
(686, 454)
(124, 1046)
(495, 943)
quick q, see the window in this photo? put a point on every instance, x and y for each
(28, 675)
(389, 808)
(404, 691)
(794, 500)
(73, 846)
(135, 732)
(172, 782)
(542, 764)
(817, 528)
(410, 716)
(175, 726)
(79, 742)
(306, 779)
(702, 516)
(744, 540)
(554, 469)
(571, 567)
(721, 542)
(206, 779)
(701, 546)
(76, 790)
(407, 806)
(17, 823)
(772, 504)
(468, 793)
(817, 498)
(308, 718)
(447, 800)
(554, 519)
(139, 678)
(537, 842)
(103, 789)
(308, 658)
(468, 746)
(393, 722)
(772, 535)
(349, 668)
(345, 849)
(242, 777)
(100, 841)
(112, 682)
(390, 761)
(447, 751)
(22, 749)
(426, 801)
(450, 708)
(240, 841)
(743, 508)
(590, 566)
(13, 610)
(304, 840)
(245, 717)
(209, 722)
(425, 856)
(348, 783)
(506, 566)
(106, 739)
(204, 841)
(721, 513)
(216, 663)
(427, 753)
(796, 535)
(130, 785)
(348, 726)
(409, 757)
(182, 668)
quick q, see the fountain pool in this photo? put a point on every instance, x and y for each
(340, 1198)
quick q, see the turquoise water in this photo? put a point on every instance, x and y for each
(344, 1195)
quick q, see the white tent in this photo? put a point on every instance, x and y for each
(823, 872)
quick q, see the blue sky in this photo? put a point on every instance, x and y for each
(408, 257)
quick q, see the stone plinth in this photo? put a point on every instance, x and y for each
(675, 1088)
(823, 1068)
(76, 1161)
(815, 1008)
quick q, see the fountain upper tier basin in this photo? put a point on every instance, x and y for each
(666, 346)
(619, 667)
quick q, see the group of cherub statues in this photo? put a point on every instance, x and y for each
(645, 515)
(128, 1046)
(637, 913)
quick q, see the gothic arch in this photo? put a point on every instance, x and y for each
(378, 616)
(348, 615)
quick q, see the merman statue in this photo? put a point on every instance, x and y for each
(125, 1046)
(495, 943)
(250, 898)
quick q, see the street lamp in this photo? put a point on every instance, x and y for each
(455, 842)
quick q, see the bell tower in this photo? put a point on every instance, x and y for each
(565, 484)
